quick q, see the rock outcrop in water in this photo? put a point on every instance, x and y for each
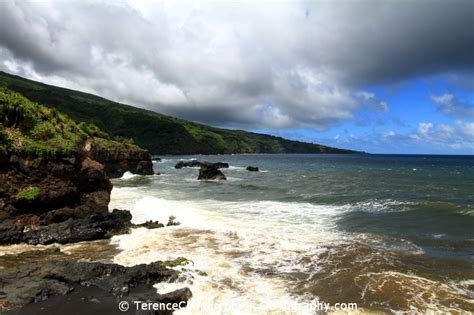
(207, 170)
(252, 169)
(210, 172)
(60, 286)
(196, 163)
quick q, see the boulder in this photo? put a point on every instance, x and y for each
(209, 172)
(252, 169)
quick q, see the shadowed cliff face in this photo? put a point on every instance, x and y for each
(40, 191)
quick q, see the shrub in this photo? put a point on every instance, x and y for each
(29, 193)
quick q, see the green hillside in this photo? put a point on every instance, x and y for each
(28, 127)
(158, 133)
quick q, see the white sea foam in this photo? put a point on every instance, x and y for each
(238, 168)
(222, 240)
(128, 175)
(242, 250)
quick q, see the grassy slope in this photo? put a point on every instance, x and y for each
(158, 133)
(28, 127)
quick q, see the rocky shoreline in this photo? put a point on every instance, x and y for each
(64, 199)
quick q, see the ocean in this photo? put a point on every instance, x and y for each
(386, 232)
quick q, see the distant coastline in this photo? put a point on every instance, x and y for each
(160, 134)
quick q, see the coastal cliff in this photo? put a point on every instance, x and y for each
(54, 175)
(117, 160)
(46, 200)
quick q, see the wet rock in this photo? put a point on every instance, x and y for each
(172, 222)
(149, 225)
(39, 288)
(182, 164)
(252, 169)
(209, 172)
(196, 163)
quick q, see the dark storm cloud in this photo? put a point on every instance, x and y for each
(375, 42)
(265, 65)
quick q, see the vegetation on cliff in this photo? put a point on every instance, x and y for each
(158, 133)
(28, 127)
(29, 193)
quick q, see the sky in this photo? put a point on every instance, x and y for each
(372, 75)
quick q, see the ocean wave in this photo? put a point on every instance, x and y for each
(128, 175)
(382, 205)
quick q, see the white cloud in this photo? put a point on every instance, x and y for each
(424, 128)
(389, 134)
(467, 128)
(450, 105)
(459, 136)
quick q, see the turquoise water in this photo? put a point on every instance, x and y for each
(389, 232)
